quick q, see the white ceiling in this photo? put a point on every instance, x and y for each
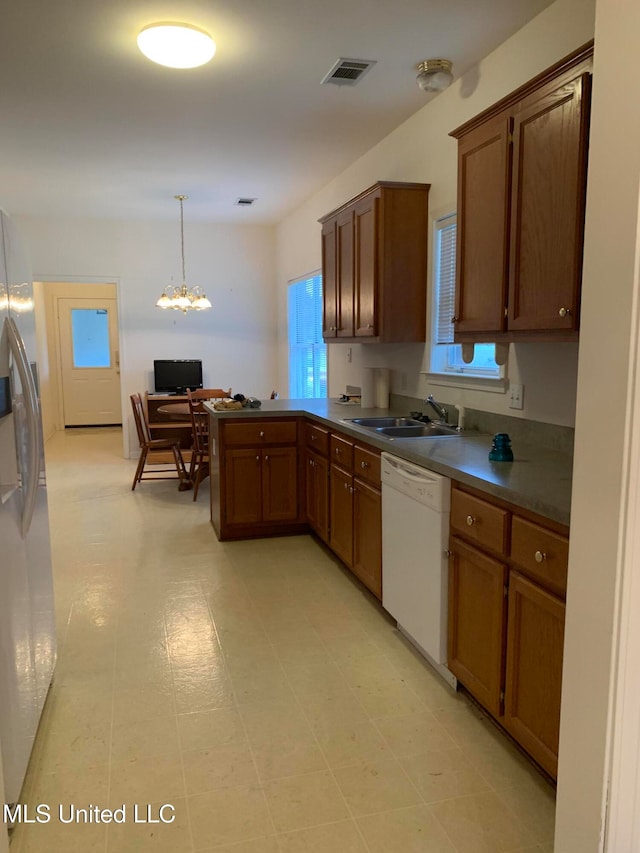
(90, 127)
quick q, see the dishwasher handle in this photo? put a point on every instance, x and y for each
(423, 476)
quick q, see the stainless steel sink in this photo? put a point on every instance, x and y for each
(377, 423)
(429, 430)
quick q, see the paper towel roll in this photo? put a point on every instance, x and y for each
(368, 387)
(382, 387)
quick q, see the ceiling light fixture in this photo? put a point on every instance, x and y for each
(176, 45)
(435, 75)
(183, 298)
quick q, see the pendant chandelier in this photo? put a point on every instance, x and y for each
(183, 298)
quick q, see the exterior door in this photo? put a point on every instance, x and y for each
(90, 361)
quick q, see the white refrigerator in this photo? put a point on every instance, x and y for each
(27, 621)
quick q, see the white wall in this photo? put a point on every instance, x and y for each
(234, 265)
(601, 523)
(421, 150)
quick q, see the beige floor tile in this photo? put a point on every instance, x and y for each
(393, 699)
(255, 845)
(155, 623)
(410, 830)
(148, 737)
(534, 803)
(341, 837)
(83, 789)
(218, 767)
(147, 779)
(135, 704)
(341, 706)
(442, 774)
(83, 838)
(194, 694)
(75, 748)
(220, 727)
(375, 786)
(315, 679)
(265, 721)
(413, 733)
(302, 801)
(481, 823)
(288, 754)
(229, 815)
(164, 837)
(347, 742)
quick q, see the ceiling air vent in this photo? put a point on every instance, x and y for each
(245, 202)
(348, 72)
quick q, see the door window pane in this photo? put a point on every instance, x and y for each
(90, 333)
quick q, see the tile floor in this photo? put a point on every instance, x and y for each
(251, 685)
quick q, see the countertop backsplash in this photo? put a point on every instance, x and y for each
(520, 430)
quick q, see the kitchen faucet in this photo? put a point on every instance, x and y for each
(442, 412)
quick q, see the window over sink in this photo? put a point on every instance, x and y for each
(446, 364)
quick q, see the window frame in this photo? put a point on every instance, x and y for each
(314, 345)
(444, 359)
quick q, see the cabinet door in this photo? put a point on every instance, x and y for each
(365, 296)
(477, 613)
(483, 219)
(367, 536)
(547, 213)
(341, 527)
(280, 484)
(329, 280)
(344, 289)
(317, 494)
(243, 486)
(535, 639)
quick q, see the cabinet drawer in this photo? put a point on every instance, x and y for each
(316, 438)
(366, 465)
(540, 553)
(479, 521)
(341, 451)
(261, 432)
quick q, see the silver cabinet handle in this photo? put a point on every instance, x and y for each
(262, 434)
(346, 486)
(351, 489)
(364, 465)
(454, 319)
(565, 312)
(266, 458)
(470, 521)
(540, 556)
(258, 458)
(338, 451)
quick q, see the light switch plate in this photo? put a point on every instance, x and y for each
(516, 396)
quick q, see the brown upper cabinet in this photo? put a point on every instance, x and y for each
(374, 265)
(522, 168)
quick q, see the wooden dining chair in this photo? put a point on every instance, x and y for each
(199, 467)
(150, 445)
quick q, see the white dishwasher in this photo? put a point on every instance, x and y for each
(415, 531)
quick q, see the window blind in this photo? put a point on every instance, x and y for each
(307, 350)
(446, 278)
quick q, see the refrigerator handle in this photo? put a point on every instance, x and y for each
(33, 438)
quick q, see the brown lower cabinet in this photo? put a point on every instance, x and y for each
(507, 582)
(477, 614)
(317, 493)
(254, 478)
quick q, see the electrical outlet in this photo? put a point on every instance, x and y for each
(349, 355)
(516, 396)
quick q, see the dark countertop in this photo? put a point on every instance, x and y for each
(539, 479)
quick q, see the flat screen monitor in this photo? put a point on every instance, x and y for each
(175, 375)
